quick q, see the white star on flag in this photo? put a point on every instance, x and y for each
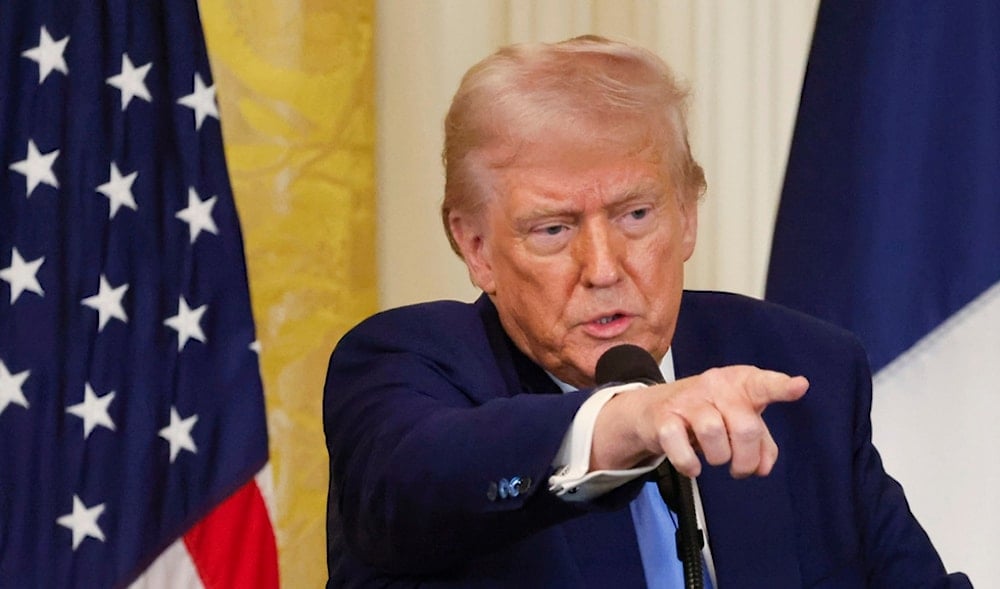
(107, 302)
(21, 275)
(198, 215)
(93, 410)
(187, 323)
(131, 81)
(48, 54)
(83, 521)
(202, 101)
(10, 387)
(36, 167)
(178, 433)
(118, 189)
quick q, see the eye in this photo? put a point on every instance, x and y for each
(639, 214)
(638, 220)
(549, 238)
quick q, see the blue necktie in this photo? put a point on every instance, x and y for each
(655, 527)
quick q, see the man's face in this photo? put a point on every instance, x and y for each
(581, 251)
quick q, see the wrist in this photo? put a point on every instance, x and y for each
(616, 444)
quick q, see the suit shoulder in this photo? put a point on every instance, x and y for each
(437, 321)
(719, 317)
(430, 314)
(729, 310)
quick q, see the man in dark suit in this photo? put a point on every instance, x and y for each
(468, 444)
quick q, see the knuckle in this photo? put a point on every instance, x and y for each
(710, 430)
(713, 377)
(746, 432)
(671, 429)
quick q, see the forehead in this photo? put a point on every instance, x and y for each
(563, 171)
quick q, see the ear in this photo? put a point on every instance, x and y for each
(470, 233)
(689, 227)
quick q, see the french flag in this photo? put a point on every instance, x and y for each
(889, 225)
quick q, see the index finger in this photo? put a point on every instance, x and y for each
(768, 386)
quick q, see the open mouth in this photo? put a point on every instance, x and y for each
(609, 319)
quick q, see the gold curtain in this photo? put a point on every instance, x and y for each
(294, 83)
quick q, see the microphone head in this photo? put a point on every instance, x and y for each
(627, 363)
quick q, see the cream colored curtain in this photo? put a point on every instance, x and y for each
(295, 88)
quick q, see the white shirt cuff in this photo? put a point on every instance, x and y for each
(572, 480)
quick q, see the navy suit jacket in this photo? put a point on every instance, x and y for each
(428, 408)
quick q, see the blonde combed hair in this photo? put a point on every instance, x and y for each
(591, 87)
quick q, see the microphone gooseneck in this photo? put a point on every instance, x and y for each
(630, 363)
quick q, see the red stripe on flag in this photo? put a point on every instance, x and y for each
(233, 546)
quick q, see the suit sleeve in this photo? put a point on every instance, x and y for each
(418, 456)
(899, 552)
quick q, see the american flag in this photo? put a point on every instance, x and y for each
(131, 408)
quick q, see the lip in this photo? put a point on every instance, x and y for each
(616, 327)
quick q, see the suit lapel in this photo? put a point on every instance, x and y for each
(751, 526)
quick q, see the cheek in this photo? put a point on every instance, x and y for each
(657, 270)
(537, 295)
(540, 303)
(657, 262)
(538, 280)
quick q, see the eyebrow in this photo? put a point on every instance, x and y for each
(559, 209)
(541, 212)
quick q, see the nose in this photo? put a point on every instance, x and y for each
(599, 255)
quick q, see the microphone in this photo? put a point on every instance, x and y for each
(627, 363)
(630, 363)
